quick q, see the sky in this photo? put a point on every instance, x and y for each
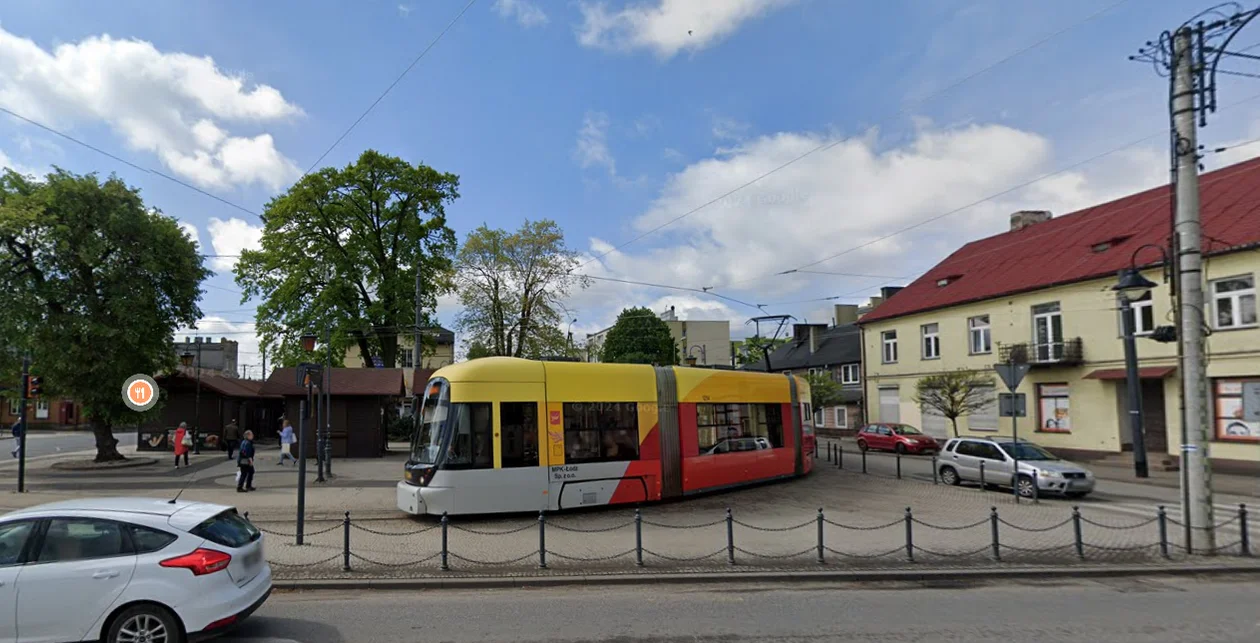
(703, 144)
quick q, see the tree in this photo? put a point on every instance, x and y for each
(954, 394)
(96, 286)
(477, 350)
(751, 350)
(639, 337)
(823, 391)
(340, 250)
(512, 286)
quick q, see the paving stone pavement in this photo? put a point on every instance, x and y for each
(773, 527)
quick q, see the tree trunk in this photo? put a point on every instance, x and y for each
(365, 349)
(954, 421)
(106, 443)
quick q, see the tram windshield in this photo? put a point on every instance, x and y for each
(426, 439)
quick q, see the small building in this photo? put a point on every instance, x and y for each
(440, 353)
(360, 399)
(210, 356)
(221, 400)
(47, 412)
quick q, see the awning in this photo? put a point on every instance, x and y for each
(1145, 373)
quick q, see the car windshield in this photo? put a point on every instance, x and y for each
(905, 429)
(426, 437)
(1026, 451)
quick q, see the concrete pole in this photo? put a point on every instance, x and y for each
(1190, 278)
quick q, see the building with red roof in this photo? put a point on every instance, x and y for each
(1041, 293)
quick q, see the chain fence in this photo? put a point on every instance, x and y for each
(626, 543)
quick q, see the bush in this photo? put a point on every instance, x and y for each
(399, 429)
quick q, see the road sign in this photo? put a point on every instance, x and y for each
(1251, 402)
(1012, 405)
(1011, 374)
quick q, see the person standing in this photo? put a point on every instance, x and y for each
(231, 437)
(286, 442)
(246, 463)
(182, 442)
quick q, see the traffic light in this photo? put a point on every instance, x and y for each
(34, 386)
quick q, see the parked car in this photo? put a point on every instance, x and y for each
(124, 570)
(901, 438)
(961, 462)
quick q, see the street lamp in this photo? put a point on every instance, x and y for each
(570, 334)
(1132, 287)
(691, 361)
(317, 407)
(187, 360)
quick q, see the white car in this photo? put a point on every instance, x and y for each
(128, 570)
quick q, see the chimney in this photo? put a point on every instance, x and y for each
(887, 292)
(846, 314)
(813, 339)
(1025, 218)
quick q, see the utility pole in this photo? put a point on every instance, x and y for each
(1188, 233)
(415, 362)
(327, 391)
(21, 438)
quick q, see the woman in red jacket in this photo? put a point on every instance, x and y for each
(181, 445)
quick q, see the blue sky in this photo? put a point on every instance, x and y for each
(611, 119)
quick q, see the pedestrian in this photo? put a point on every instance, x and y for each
(183, 440)
(17, 438)
(231, 437)
(286, 443)
(246, 463)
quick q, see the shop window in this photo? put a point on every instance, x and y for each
(601, 431)
(1228, 412)
(1053, 408)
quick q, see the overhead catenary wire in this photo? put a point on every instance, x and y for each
(827, 146)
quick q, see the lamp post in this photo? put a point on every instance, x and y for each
(704, 357)
(1132, 287)
(308, 345)
(187, 360)
(570, 335)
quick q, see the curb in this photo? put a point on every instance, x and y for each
(870, 576)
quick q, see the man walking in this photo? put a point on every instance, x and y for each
(231, 437)
(245, 482)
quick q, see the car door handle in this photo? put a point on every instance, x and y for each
(104, 574)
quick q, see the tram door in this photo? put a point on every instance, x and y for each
(519, 482)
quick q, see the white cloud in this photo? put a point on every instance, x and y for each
(21, 168)
(526, 13)
(726, 128)
(191, 230)
(592, 143)
(229, 238)
(666, 27)
(404, 10)
(173, 105)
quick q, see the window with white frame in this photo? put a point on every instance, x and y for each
(889, 338)
(814, 372)
(15, 407)
(931, 341)
(1143, 313)
(1234, 301)
(842, 417)
(41, 409)
(850, 374)
(980, 335)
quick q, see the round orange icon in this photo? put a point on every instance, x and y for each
(140, 392)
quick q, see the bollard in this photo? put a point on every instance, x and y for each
(1244, 545)
(898, 466)
(542, 541)
(345, 543)
(445, 566)
(993, 527)
(1036, 488)
(983, 486)
(909, 535)
(831, 451)
(1163, 532)
(821, 560)
(1076, 528)
(839, 456)
(863, 460)
(730, 537)
(936, 478)
(638, 537)
(246, 515)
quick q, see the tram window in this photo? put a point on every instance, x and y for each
(601, 431)
(769, 423)
(731, 428)
(519, 440)
(472, 445)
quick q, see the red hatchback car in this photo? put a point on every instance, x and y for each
(901, 438)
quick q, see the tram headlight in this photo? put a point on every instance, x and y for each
(421, 476)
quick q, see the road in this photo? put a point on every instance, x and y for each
(1112, 611)
(38, 444)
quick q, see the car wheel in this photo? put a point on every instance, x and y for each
(1025, 487)
(862, 445)
(950, 477)
(145, 624)
(900, 449)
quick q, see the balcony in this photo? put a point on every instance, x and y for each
(1068, 352)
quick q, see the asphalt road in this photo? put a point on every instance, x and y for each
(1114, 611)
(38, 444)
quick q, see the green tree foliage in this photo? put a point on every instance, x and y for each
(955, 394)
(340, 250)
(639, 337)
(477, 350)
(750, 350)
(512, 286)
(823, 390)
(96, 285)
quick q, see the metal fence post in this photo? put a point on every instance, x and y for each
(445, 522)
(1245, 544)
(542, 541)
(936, 479)
(246, 515)
(983, 486)
(345, 543)
(821, 560)
(993, 526)
(839, 456)
(1163, 532)
(638, 536)
(863, 460)
(730, 537)
(1076, 529)
(898, 466)
(909, 535)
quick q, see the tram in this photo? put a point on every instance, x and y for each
(505, 435)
